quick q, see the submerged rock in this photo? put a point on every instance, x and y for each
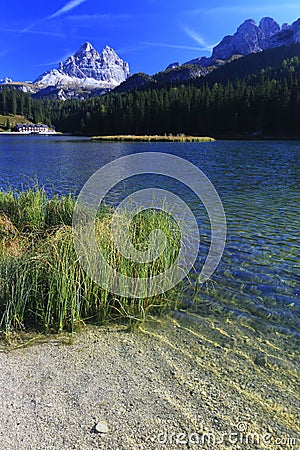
(261, 360)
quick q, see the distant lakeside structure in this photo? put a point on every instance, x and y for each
(32, 128)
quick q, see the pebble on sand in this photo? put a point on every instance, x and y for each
(101, 427)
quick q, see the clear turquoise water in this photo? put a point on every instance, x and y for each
(258, 182)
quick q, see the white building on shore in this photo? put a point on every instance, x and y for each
(32, 128)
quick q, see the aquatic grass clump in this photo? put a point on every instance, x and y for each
(33, 210)
(139, 230)
(42, 284)
(155, 262)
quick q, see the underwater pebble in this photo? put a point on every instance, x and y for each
(260, 361)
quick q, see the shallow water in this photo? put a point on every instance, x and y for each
(259, 184)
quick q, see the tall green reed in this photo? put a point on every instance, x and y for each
(42, 284)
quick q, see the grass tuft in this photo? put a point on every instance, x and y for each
(42, 285)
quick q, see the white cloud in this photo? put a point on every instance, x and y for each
(53, 34)
(246, 9)
(68, 7)
(197, 38)
(162, 44)
(52, 63)
(107, 17)
(29, 30)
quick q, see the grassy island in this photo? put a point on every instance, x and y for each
(154, 138)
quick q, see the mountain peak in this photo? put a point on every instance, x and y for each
(269, 26)
(247, 23)
(107, 48)
(86, 47)
(6, 80)
(88, 68)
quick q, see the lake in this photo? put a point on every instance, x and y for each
(258, 279)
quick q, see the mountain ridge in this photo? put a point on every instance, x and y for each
(251, 38)
(236, 68)
(248, 39)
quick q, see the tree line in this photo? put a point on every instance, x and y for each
(269, 107)
(264, 103)
(16, 102)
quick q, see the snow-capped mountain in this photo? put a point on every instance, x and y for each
(87, 68)
(252, 38)
(6, 80)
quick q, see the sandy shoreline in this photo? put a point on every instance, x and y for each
(177, 380)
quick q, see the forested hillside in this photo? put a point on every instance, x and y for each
(235, 100)
(15, 102)
(266, 103)
(273, 62)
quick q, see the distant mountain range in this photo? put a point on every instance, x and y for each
(252, 38)
(88, 73)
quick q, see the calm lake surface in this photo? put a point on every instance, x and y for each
(258, 279)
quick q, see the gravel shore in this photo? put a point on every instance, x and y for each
(180, 382)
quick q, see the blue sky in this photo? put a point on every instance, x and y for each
(149, 34)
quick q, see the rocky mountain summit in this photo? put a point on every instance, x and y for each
(87, 68)
(252, 38)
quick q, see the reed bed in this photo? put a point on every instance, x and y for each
(42, 285)
(154, 138)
